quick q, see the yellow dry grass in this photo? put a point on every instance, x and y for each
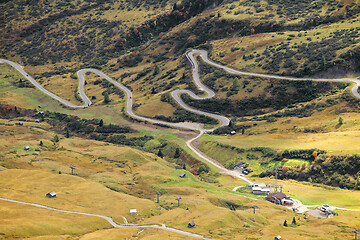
(134, 233)
(86, 192)
(151, 107)
(73, 193)
(22, 221)
(289, 133)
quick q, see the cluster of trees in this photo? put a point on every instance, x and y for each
(8, 111)
(284, 94)
(338, 171)
(317, 55)
(302, 7)
(181, 115)
(94, 129)
(164, 22)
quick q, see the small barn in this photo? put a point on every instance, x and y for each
(191, 225)
(27, 148)
(51, 194)
(182, 175)
(37, 120)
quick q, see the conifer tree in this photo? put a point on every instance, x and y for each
(160, 154)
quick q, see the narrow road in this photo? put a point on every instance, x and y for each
(204, 55)
(111, 221)
(221, 168)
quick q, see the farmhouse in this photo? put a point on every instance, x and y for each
(260, 188)
(27, 148)
(182, 175)
(280, 199)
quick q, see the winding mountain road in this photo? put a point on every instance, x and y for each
(176, 94)
(224, 121)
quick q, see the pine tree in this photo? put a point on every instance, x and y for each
(293, 221)
(340, 121)
(41, 143)
(156, 70)
(184, 166)
(106, 98)
(101, 123)
(177, 153)
(160, 154)
(285, 223)
(56, 139)
(67, 133)
(243, 131)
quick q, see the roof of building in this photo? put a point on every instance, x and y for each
(259, 184)
(192, 224)
(278, 195)
(52, 193)
(182, 175)
(262, 189)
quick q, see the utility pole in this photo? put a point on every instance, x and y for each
(276, 176)
(72, 169)
(356, 232)
(158, 194)
(254, 207)
(178, 199)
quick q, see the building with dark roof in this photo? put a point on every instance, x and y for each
(280, 199)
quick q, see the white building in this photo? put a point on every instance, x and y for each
(260, 188)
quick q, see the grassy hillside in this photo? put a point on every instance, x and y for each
(99, 174)
(142, 45)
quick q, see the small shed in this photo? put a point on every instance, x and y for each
(232, 132)
(133, 212)
(182, 175)
(27, 148)
(277, 238)
(191, 225)
(51, 194)
(21, 123)
(37, 120)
